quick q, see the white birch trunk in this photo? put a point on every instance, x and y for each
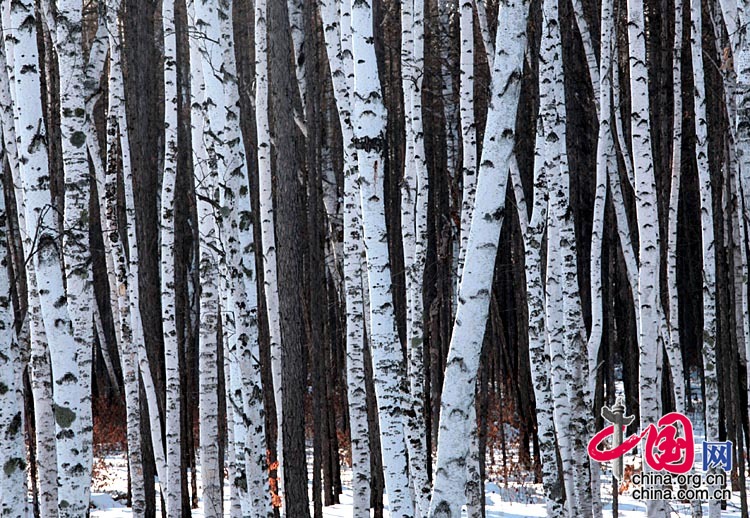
(245, 372)
(336, 19)
(117, 108)
(414, 195)
(268, 236)
(555, 327)
(648, 229)
(540, 350)
(76, 247)
(604, 155)
(40, 375)
(674, 352)
(468, 128)
(39, 364)
(562, 254)
(369, 121)
(34, 169)
(481, 252)
(13, 490)
(711, 395)
(207, 122)
(588, 50)
(484, 27)
(117, 145)
(622, 143)
(605, 158)
(167, 270)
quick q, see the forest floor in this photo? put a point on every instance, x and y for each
(510, 491)
(516, 498)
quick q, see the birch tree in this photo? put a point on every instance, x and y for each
(207, 124)
(76, 247)
(13, 490)
(711, 395)
(39, 362)
(368, 140)
(673, 345)
(130, 274)
(647, 215)
(468, 127)
(265, 187)
(250, 417)
(604, 152)
(414, 193)
(34, 168)
(167, 277)
(336, 17)
(481, 251)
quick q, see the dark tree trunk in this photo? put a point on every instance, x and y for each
(289, 214)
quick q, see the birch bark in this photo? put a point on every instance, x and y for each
(250, 417)
(129, 274)
(414, 194)
(674, 352)
(369, 121)
(268, 237)
(648, 230)
(207, 124)
(76, 247)
(13, 490)
(468, 127)
(39, 363)
(711, 395)
(338, 37)
(605, 159)
(481, 252)
(540, 346)
(604, 155)
(562, 255)
(34, 169)
(167, 270)
(132, 353)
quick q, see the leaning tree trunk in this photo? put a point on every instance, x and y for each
(474, 485)
(481, 252)
(12, 442)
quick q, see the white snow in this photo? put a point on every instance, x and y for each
(519, 499)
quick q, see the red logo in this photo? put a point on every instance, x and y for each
(666, 448)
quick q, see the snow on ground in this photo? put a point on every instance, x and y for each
(514, 497)
(514, 500)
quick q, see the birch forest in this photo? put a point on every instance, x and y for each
(371, 258)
